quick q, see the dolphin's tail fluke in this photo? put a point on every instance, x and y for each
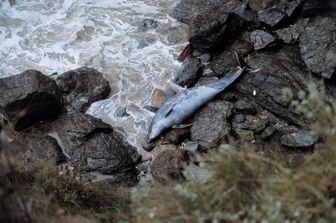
(227, 80)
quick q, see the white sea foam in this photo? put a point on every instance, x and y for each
(56, 36)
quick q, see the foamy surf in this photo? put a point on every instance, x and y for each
(56, 36)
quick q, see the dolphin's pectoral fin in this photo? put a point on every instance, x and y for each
(182, 126)
(169, 109)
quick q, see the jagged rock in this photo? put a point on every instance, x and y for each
(277, 71)
(82, 87)
(176, 136)
(207, 29)
(271, 16)
(261, 39)
(29, 97)
(30, 148)
(245, 135)
(268, 132)
(92, 145)
(276, 13)
(158, 98)
(245, 106)
(190, 72)
(205, 58)
(168, 165)
(299, 139)
(238, 118)
(148, 24)
(223, 63)
(190, 146)
(185, 9)
(292, 33)
(256, 125)
(312, 8)
(318, 46)
(211, 124)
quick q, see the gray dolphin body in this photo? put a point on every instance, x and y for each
(180, 107)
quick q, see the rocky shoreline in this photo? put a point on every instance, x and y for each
(291, 42)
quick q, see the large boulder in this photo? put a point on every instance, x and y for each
(92, 145)
(318, 46)
(82, 87)
(211, 124)
(29, 97)
(277, 71)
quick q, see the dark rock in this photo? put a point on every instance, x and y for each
(29, 97)
(312, 8)
(292, 33)
(299, 139)
(261, 39)
(246, 107)
(238, 118)
(318, 46)
(176, 136)
(245, 135)
(210, 123)
(41, 149)
(121, 112)
(185, 9)
(168, 165)
(205, 58)
(256, 125)
(92, 145)
(147, 146)
(148, 24)
(190, 146)
(207, 29)
(82, 87)
(223, 63)
(271, 16)
(242, 44)
(268, 132)
(190, 72)
(283, 69)
(151, 108)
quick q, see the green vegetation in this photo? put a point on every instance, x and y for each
(241, 186)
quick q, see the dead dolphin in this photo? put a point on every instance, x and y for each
(180, 107)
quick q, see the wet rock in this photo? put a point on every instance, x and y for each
(148, 24)
(245, 107)
(158, 98)
(29, 97)
(121, 112)
(147, 146)
(168, 165)
(210, 123)
(92, 145)
(205, 58)
(318, 46)
(82, 87)
(299, 139)
(261, 39)
(242, 44)
(190, 72)
(279, 70)
(292, 34)
(151, 108)
(268, 132)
